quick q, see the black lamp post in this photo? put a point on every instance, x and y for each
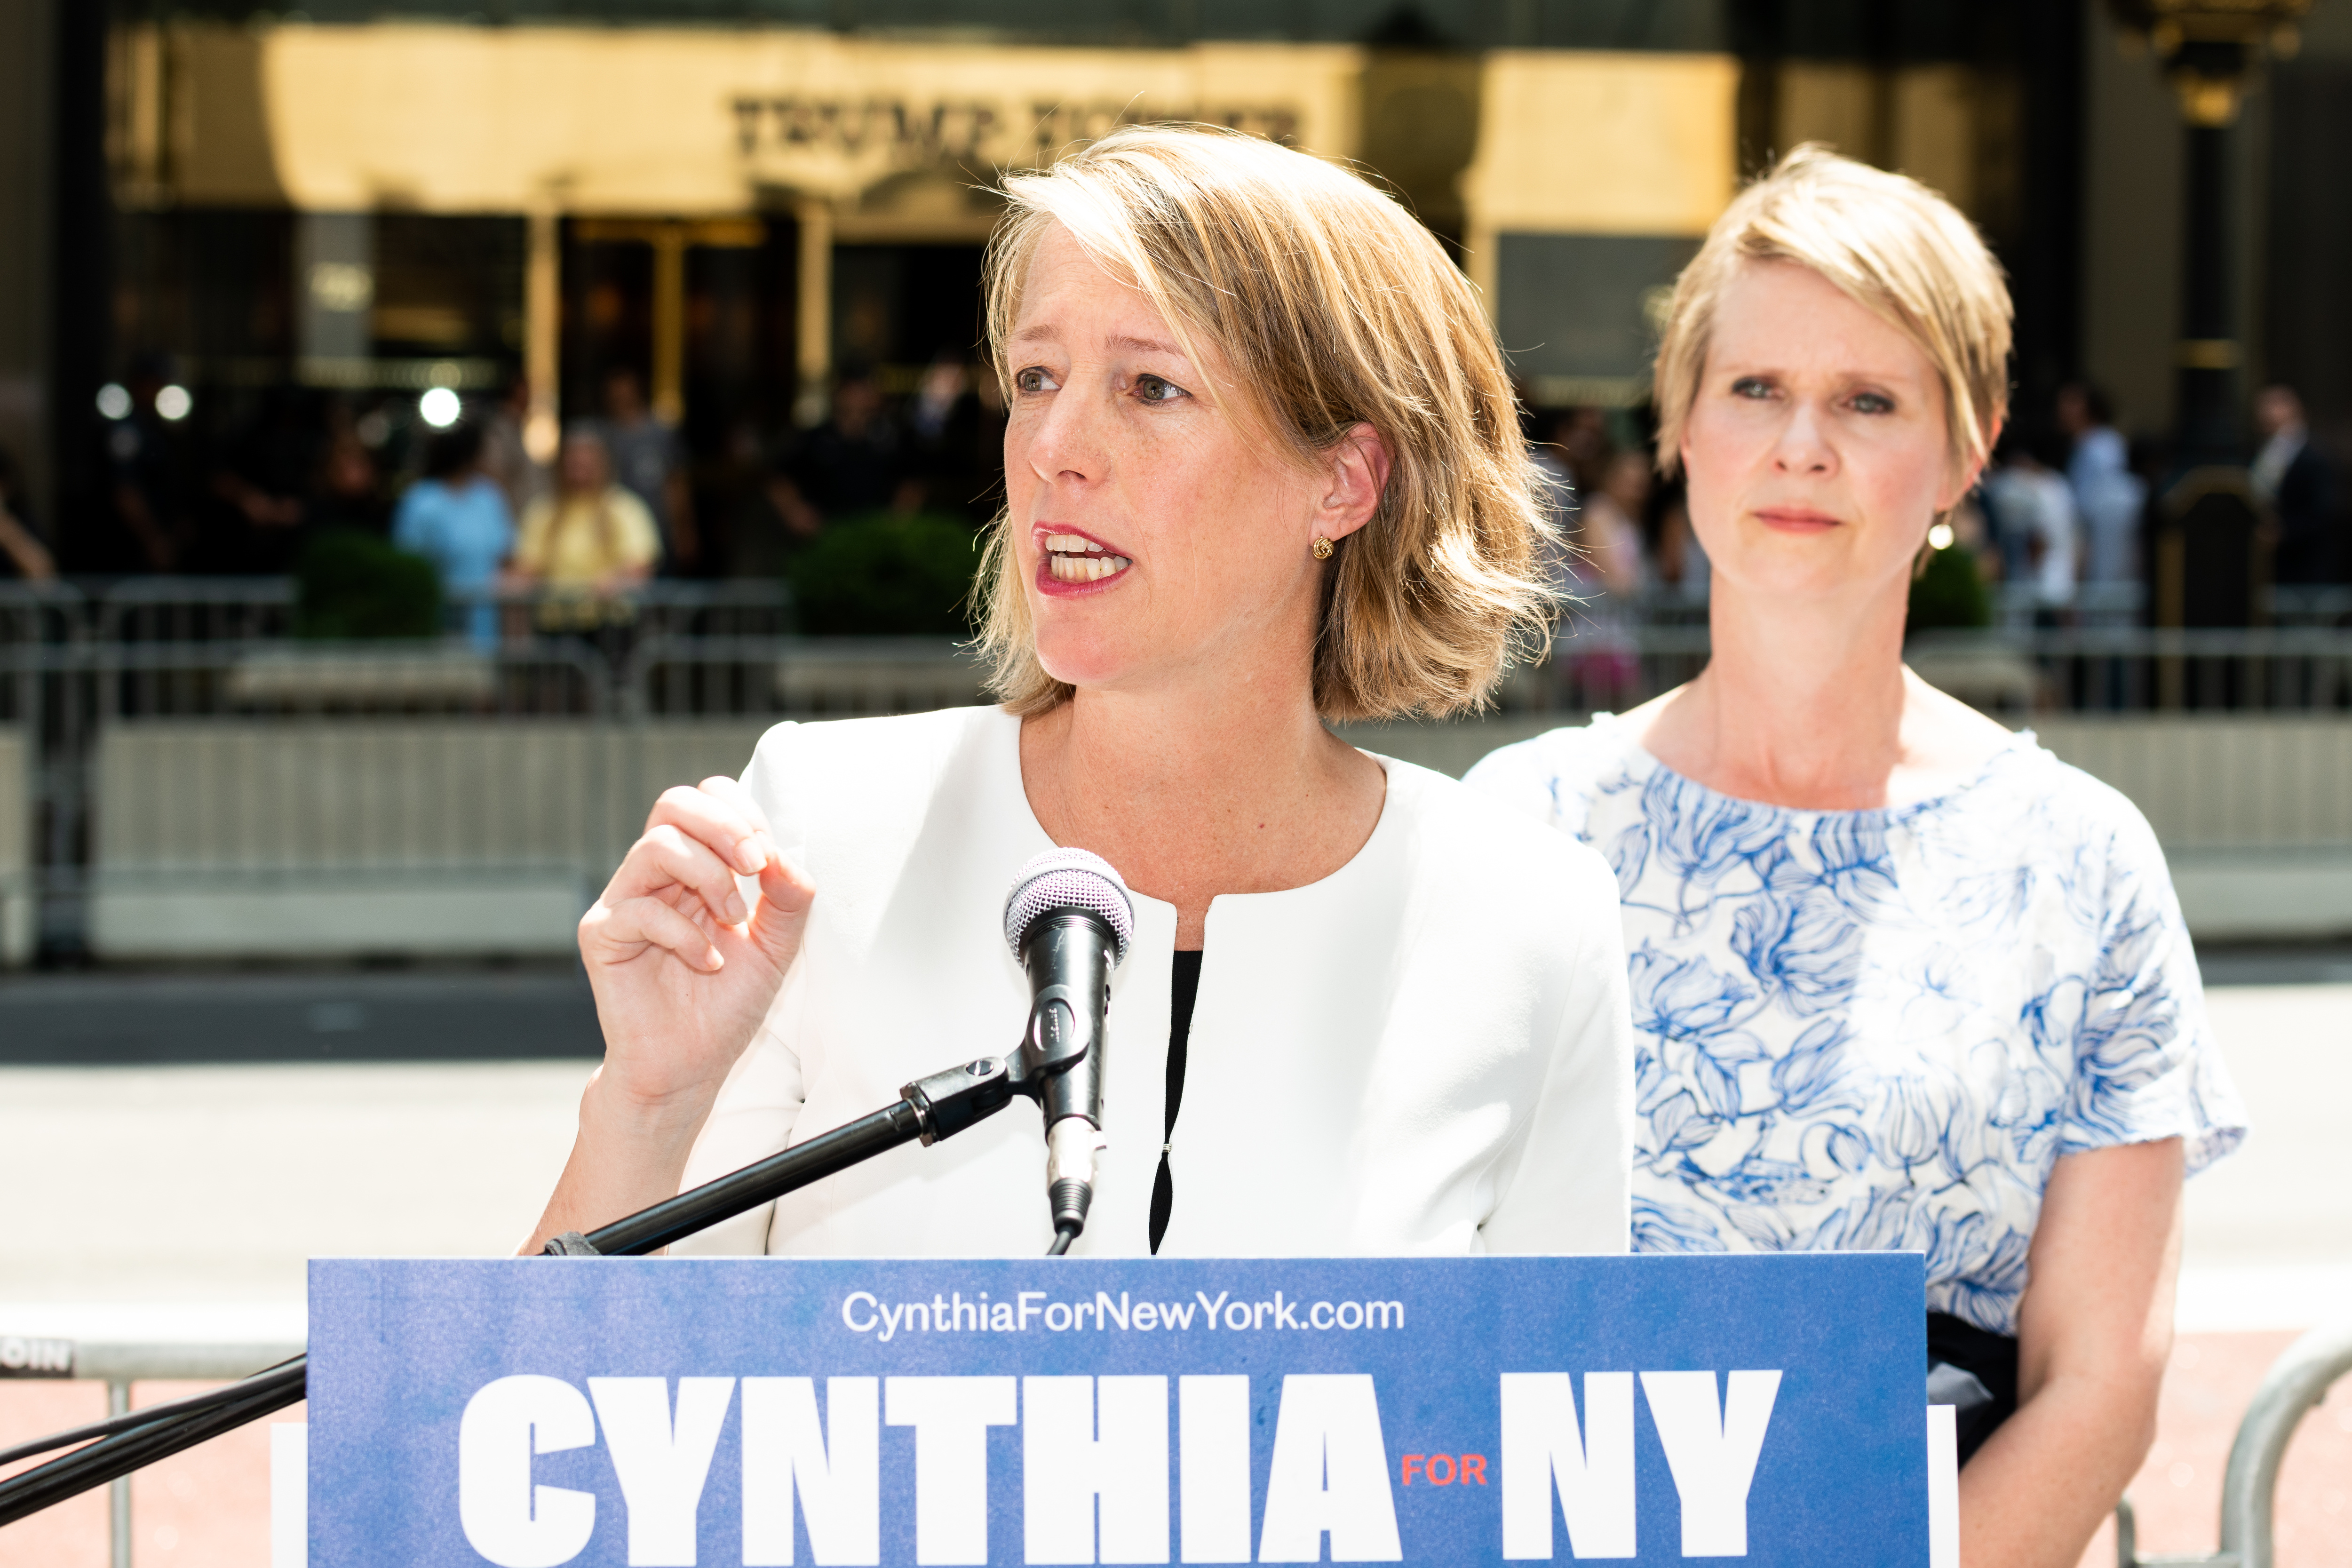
(2211, 554)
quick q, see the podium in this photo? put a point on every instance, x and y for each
(536, 1411)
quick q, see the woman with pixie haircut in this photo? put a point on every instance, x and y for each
(1263, 470)
(1901, 979)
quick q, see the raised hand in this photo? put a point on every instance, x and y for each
(683, 970)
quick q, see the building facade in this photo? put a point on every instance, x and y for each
(738, 202)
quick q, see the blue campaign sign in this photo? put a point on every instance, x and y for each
(649, 1411)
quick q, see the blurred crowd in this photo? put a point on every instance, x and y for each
(621, 497)
(2059, 516)
(1624, 536)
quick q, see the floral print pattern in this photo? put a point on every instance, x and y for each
(1881, 1029)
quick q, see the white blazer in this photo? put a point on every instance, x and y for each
(1428, 1051)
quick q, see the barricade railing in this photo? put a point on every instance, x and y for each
(202, 609)
(120, 1362)
(193, 609)
(672, 676)
(211, 609)
(2296, 1383)
(1602, 664)
(243, 678)
(173, 764)
(211, 742)
(2127, 670)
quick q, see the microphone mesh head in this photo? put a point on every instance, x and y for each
(1070, 880)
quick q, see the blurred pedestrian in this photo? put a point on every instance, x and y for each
(1598, 641)
(144, 480)
(958, 444)
(22, 553)
(1556, 490)
(2033, 508)
(253, 523)
(458, 519)
(751, 539)
(646, 461)
(855, 464)
(1582, 438)
(2291, 474)
(350, 493)
(2109, 497)
(946, 382)
(1682, 563)
(506, 453)
(589, 543)
(1610, 530)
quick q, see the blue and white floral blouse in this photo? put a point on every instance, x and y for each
(1880, 1029)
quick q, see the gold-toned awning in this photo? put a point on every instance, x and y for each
(442, 118)
(452, 119)
(665, 130)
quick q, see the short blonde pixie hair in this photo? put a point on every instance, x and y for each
(1330, 306)
(1894, 246)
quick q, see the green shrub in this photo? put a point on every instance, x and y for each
(1948, 594)
(886, 575)
(353, 584)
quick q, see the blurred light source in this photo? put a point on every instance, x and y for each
(173, 403)
(439, 407)
(341, 286)
(541, 437)
(1939, 537)
(113, 401)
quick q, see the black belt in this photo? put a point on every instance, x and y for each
(1975, 1373)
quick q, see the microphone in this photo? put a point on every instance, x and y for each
(1069, 922)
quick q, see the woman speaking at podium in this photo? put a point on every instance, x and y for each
(1902, 980)
(1263, 470)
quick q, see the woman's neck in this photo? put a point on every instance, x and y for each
(1194, 794)
(1810, 706)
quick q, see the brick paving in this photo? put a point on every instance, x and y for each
(2177, 1495)
(208, 1508)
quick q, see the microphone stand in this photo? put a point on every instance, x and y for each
(928, 1109)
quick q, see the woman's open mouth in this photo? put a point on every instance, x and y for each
(1075, 557)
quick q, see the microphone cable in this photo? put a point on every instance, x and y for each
(194, 1403)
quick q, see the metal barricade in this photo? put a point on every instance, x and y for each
(2295, 1382)
(193, 609)
(340, 799)
(39, 822)
(2311, 605)
(119, 1360)
(706, 677)
(132, 707)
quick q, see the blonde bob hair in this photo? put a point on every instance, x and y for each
(1894, 246)
(1329, 306)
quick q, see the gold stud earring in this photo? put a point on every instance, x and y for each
(1322, 549)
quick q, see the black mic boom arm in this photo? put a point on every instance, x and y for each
(927, 1110)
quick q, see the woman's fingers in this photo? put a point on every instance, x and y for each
(638, 923)
(729, 823)
(665, 857)
(697, 842)
(785, 894)
(759, 843)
